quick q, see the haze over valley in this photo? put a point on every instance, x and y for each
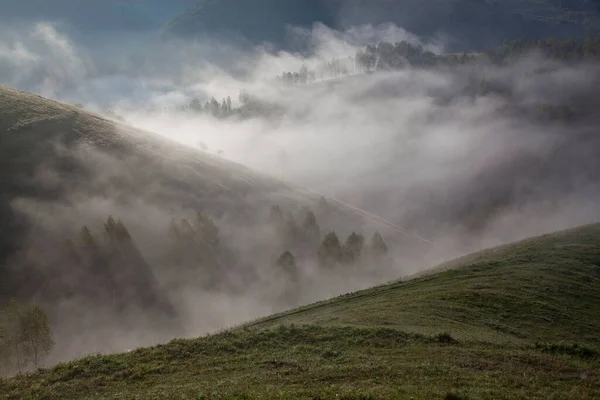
(171, 173)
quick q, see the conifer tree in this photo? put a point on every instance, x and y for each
(353, 247)
(287, 263)
(120, 232)
(206, 230)
(276, 216)
(330, 252)
(310, 227)
(86, 237)
(378, 247)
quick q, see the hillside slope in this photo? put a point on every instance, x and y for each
(51, 151)
(544, 288)
(62, 167)
(355, 347)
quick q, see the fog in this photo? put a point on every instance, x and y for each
(410, 153)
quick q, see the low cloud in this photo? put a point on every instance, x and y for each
(416, 147)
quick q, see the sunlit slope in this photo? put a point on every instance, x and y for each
(33, 128)
(50, 150)
(55, 156)
(541, 289)
(357, 347)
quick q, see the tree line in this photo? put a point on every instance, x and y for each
(387, 56)
(303, 236)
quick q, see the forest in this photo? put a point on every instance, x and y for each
(107, 270)
(386, 56)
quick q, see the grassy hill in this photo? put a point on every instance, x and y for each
(513, 322)
(541, 289)
(62, 167)
(90, 155)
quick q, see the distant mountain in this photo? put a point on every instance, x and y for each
(464, 23)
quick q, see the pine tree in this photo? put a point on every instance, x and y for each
(120, 232)
(195, 105)
(330, 252)
(109, 228)
(206, 230)
(86, 237)
(378, 247)
(287, 263)
(224, 109)
(354, 247)
(310, 226)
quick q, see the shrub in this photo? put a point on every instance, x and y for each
(444, 337)
(573, 349)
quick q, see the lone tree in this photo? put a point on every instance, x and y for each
(26, 335)
(37, 334)
(330, 252)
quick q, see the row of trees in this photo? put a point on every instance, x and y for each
(332, 252)
(25, 337)
(390, 56)
(107, 270)
(212, 107)
(249, 106)
(302, 236)
(558, 49)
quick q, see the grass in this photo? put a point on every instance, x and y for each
(515, 322)
(535, 290)
(318, 362)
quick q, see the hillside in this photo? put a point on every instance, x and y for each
(513, 322)
(63, 168)
(541, 289)
(466, 24)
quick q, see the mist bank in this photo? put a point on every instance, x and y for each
(440, 160)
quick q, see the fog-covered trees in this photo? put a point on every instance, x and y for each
(377, 246)
(311, 231)
(330, 253)
(196, 250)
(25, 337)
(353, 248)
(301, 234)
(115, 231)
(287, 262)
